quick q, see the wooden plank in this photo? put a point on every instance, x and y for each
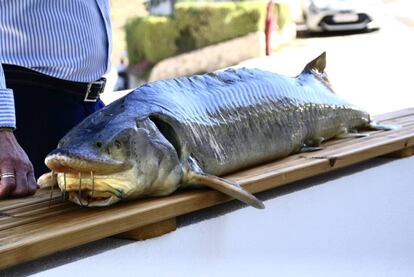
(9, 220)
(29, 228)
(41, 196)
(40, 238)
(150, 231)
(403, 153)
(394, 114)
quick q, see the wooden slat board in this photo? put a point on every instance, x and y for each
(37, 226)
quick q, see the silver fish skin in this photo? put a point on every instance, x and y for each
(238, 118)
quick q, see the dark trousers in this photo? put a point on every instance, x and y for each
(44, 115)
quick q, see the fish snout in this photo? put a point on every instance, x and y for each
(61, 160)
(72, 161)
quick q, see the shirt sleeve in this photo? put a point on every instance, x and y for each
(7, 112)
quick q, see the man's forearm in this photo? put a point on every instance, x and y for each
(17, 178)
(7, 112)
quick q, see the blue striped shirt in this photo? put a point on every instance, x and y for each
(67, 39)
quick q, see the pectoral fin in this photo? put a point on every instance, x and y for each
(228, 187)
(194, 175)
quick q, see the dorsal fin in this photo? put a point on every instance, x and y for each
(317, 65)
(317, 68)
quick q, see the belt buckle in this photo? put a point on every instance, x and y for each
(101, 82)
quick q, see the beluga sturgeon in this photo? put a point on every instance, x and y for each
(185, 132)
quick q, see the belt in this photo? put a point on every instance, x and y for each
(88, 91)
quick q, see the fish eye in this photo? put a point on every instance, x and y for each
(117, 144)
(98, 144)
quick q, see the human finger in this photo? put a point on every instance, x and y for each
(32, 184)
(7, 181)
(21, 188)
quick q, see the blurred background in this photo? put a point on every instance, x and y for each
(368, 43)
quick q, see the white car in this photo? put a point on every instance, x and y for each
(342, 15)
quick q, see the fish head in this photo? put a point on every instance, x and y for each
(113, 156)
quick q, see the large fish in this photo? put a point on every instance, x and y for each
(185, 132)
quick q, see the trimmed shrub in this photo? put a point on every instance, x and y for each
(283, 14)
(151, 38)
(209, 23)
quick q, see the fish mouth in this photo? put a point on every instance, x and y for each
(91, 198)
(89, 191)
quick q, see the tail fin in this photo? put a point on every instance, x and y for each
(317, 68)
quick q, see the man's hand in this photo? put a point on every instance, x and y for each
(15, 166)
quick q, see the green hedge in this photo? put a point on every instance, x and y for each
(283, 14)
(196, 25)
(210, 23)
(151, 38)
